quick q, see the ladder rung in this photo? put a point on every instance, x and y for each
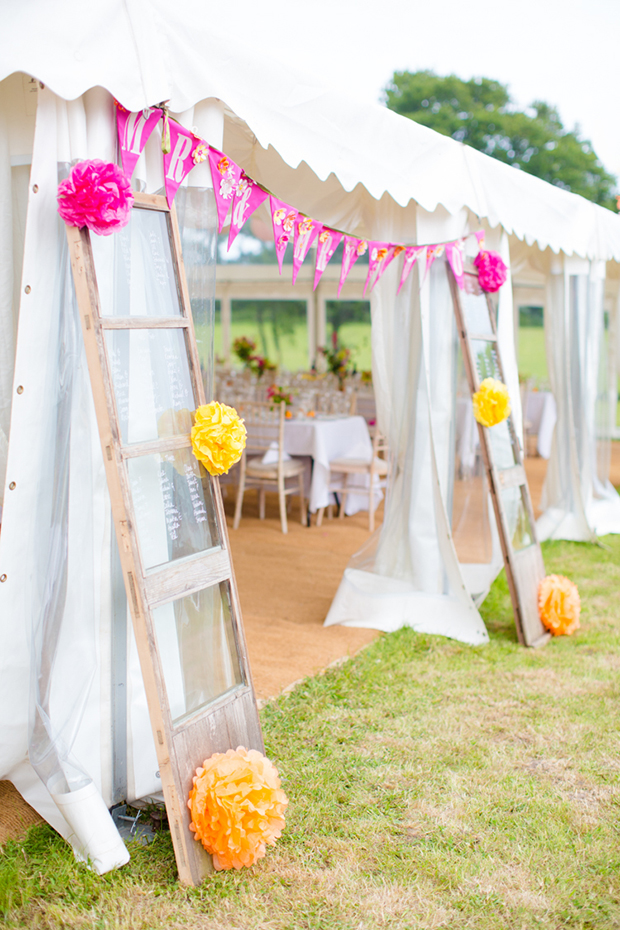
(144, 322)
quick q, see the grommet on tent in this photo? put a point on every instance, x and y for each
(12, 486)
(27, 289)
(20, 389)
(35, 188)
(2, 577)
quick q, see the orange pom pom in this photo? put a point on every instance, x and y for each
(559, 605)
(237, 807)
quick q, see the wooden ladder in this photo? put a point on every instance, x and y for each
(167, 512)
(501, 452)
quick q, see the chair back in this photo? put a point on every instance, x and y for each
(264, 423)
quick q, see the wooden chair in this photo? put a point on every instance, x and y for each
(265, 426)
(375, 468)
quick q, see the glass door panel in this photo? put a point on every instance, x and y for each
(135, 268)
(197, 647)
(152, 383)
(173, 507)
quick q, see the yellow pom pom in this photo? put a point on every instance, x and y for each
(559, 605)
(218, 437)
(237, 807)
(491, 402)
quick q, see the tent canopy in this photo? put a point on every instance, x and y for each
(147, 51)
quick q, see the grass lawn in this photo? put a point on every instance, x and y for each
(431, 785)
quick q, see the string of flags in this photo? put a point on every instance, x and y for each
(238, 196)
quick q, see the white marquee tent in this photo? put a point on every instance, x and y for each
(360, 168)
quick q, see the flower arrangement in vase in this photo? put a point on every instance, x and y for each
(245, 350)
(338, 359)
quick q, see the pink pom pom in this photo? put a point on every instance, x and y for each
(492, 271)
(96, 194)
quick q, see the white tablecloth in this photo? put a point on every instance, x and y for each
(326, 439)
(541, 413)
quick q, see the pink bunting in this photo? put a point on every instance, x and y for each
(283, 218)
(247, 198)
(381, 255)
(353, 249)
(306, 231)
(329, 240)
(186, 151)
(480, 238)
(454, 254)
(226, 175)
(134, 130)
(411, 255)
(432, 252)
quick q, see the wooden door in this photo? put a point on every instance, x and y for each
(168, 514)
(501, 451)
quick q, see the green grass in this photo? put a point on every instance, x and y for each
(532, 354)
(431, 785)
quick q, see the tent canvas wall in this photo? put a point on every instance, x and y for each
(361, 168)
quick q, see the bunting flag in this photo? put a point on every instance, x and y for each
(329, 240)
(186, 151)
(454, 254)
(381, 255)
(283, 218)
(306, 231)
(133, 131)
(411, 254)
(432, 252)
(247, 198)
(353, 249)
(236, 192)
(226, 175)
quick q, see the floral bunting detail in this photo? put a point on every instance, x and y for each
(411, 254)
(306, 231)
(247, 198)
(134, 130)
(226, 175)
(329, 240)
(238, 194)
(381, 254)
(432, 252)
(179, 161)
(283, 218)
(454, 254)
(353, 249)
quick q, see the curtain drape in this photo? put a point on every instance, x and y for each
(579, 502)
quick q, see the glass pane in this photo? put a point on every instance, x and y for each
(519, 527)
(134, 267)
(152, 384)
(484, 356)
(501, 445)
(173, 505)
(197, 649)
(279, 328)
(475, 307)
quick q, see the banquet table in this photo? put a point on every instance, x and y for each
(326, 438)
(541, 413)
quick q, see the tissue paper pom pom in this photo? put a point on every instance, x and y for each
(237, 807)
(491, 403)
(218, 437)
(96, 194)
(559, 605)
(492, 271)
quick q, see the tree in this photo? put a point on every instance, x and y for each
(481, 113)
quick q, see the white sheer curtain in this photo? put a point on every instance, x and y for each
(59, 601)
(579, 501)
(408, 574)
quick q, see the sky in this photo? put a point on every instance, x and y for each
(565, 52)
